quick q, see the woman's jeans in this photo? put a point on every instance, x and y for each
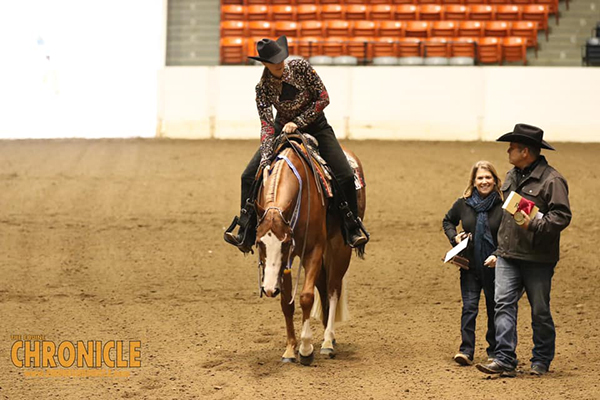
(512, 277)
(472, 281)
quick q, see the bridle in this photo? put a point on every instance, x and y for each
(295, 215)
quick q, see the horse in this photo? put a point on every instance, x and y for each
(293, 222)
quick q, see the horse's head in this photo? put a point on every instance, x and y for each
(275, 242)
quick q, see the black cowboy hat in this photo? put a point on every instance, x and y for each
(526, 134)
(272, 51)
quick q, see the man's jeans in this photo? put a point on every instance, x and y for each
(512, 276)
(472, 281)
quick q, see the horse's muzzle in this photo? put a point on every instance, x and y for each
(269, 293)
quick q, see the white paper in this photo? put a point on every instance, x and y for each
(457, 249)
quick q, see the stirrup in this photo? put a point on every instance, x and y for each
(364, 239)
(352, 223)
(236, 240)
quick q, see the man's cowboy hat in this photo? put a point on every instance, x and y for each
(272, 51)
(526, 134)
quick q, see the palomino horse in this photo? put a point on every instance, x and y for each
(293, 222)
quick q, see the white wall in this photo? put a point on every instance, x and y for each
(80, 68)
(420, 103)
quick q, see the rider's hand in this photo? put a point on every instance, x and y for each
(490, 262)
(290, 127)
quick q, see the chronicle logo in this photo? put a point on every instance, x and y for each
(34, 351)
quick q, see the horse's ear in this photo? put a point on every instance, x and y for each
(259, 210)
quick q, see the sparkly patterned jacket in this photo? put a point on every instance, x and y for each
(299, 97)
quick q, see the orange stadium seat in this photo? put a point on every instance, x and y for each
(260, 28)
(456, 12)
(232, 13)
(333, 46)
(357, 12)
(481, 12)
(365, 2)
(489, 50)
(233, 28)
(312, 28)
(307, 12)
(470, 28)
(258, 13)
(360, 47)
(332, 11)
(292, 45)
(391, 29)
(232, 50)
(526, 29)
(514, 49)
(431, 12)
(552, 7)
(496, 28)
(536, 13)
(382, 12)
(436, 47)
(364, 29)
(385, 47)
(287, 28)
(337, 28)
(373, 2)
(406, 12)
(409, 47)
(309, 46)
(464, 47)
(508, 13)
(283, 13)
(444, 29)
(419, 29)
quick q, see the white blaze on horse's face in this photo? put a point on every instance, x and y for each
(273, 262)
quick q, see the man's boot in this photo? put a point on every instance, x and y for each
(356, 233)
(244, 239)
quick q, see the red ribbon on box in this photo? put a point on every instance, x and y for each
(525, 205)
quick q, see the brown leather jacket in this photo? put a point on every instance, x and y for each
(547, 188)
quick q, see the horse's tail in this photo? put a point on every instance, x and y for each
(342, 313)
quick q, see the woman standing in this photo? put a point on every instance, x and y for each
(480, 212)
(299, 96)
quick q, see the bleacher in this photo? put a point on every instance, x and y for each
(388, 32)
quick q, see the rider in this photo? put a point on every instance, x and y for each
(299, 96)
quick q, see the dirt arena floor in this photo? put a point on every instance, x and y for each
(122, 240)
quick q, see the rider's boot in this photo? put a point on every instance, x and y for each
(246, 235)
(356, 233)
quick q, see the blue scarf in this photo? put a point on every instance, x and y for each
(484, 243)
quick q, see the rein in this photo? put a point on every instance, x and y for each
(295, 214)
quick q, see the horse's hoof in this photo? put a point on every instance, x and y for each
(307, 360)
(287, 360)
(328, 351)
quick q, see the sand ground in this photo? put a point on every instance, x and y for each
(122, 240)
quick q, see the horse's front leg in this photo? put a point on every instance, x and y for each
(288, 312)
(312, 266)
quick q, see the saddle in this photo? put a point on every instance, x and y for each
(307, 146)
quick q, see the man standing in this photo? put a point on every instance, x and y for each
(528, 251)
